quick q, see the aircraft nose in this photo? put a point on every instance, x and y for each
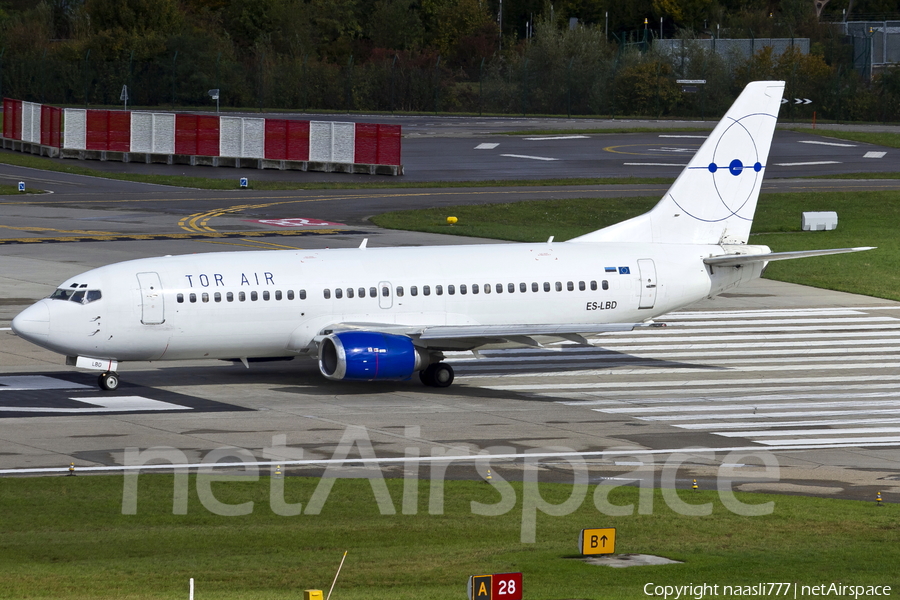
(33, 323)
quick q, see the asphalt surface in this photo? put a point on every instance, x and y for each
(748, 372)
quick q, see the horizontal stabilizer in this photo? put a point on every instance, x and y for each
(734, 260)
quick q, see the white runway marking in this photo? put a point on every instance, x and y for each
(100, 405)
(655, 164)
(874, 154)
(529, 157)
(558, 137)
(789, 379)
(698, 137)
(826, 143)
(14, 383)
(808, 164)
(486, 146)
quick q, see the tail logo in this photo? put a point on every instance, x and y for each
(732, 180)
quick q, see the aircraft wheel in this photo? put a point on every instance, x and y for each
(426, 375)
(109, 381)
(443, 375)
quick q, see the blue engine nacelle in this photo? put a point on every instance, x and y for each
(369, 355)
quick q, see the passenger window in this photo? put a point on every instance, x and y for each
(278, 294)
(327, 294)
(546, 286)
(558, 286)
(605, 284)
(593, 286)
(426, 290)
(581, 286)
(93, 295)
(385, 291)
(487, 288)
(534, 286)
(350, 292)
(78, 296)
(373, 293)
(413, 291)
(338, 293)
(302, 294)
(242, 296)
(499, 288)
(451, 289)
(205, 297)
(362, 292)
(570, 286)
(399, 290)
(193, 297)
(217, 296)
(474, 288)
(179, 298)
(511, 287)
(463, 289)
(523, 288)
(290, 294)
(266, 295)
(439, 290)
(230, 296)
(254, 296)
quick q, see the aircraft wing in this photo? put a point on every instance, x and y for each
(472, 336)
(734, 260)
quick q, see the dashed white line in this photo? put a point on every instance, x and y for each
(529, 157)
(655, 164)
(874, 154)
(827, 143)
(808, 164)
(560, 137)
(486, 146)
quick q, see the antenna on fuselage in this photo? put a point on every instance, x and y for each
(364, 242)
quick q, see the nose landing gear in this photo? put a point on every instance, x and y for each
(108, 381)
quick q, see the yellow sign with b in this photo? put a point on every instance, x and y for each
(598, 541)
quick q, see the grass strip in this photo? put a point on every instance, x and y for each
(66, 538)
(865, 219)
(206, 183)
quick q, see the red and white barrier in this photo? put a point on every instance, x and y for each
(205, 139)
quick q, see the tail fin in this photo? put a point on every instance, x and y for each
(714, 198)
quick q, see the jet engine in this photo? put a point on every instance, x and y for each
(369, 355)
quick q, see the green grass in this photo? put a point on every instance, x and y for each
(880, 138)
(865, 219)
(205, 183)
(65, 538)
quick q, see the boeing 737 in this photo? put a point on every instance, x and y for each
(387, 313)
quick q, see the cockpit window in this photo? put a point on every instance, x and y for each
(79, 295)
(61, 294)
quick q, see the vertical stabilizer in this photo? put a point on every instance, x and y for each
(714, 198)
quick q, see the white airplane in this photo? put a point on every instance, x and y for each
(385, 313)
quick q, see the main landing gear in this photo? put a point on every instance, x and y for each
(110, 380)
(437, 375)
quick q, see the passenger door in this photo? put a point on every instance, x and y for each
(152, 306)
